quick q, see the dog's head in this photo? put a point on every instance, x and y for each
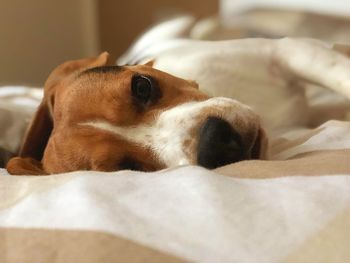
(107, 118)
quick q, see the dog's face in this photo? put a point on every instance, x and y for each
(108, 118)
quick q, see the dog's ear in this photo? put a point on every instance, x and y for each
(66, 69)
(150, 63)
(25, 166)
(38, 133)
(41, 125)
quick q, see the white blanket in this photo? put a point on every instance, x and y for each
(188, 212)
(185, 213)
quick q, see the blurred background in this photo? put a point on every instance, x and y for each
(37, 35)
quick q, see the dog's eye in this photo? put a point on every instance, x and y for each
(142, 89)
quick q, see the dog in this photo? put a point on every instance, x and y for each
(91, 117)
(95, 116)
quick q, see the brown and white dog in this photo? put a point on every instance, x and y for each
(99, 117)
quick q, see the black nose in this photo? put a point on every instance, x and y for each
(219, 144)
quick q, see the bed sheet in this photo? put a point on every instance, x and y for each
(251, 211)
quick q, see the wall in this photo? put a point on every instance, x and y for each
(37, 35)
(122, 21)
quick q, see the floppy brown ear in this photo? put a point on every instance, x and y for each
(72, 66)
(25, 166)
(41, 125)
(38, 133)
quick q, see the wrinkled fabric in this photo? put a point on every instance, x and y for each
(293, 207)
(189, 212)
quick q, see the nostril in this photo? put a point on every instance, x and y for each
(219, 144)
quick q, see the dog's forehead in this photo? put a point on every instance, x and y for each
(115, 81)
(106, 73)
(102, 70)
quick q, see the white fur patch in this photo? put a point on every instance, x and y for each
(167, 134)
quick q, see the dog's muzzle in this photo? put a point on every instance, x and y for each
(210, 133)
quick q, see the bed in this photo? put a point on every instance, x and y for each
(294, 207)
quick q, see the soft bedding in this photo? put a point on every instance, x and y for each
(183, 214)
(252, 211)
(294, 207)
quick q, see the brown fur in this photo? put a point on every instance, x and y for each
(56, 143)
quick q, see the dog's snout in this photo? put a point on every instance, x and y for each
(219, 144)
